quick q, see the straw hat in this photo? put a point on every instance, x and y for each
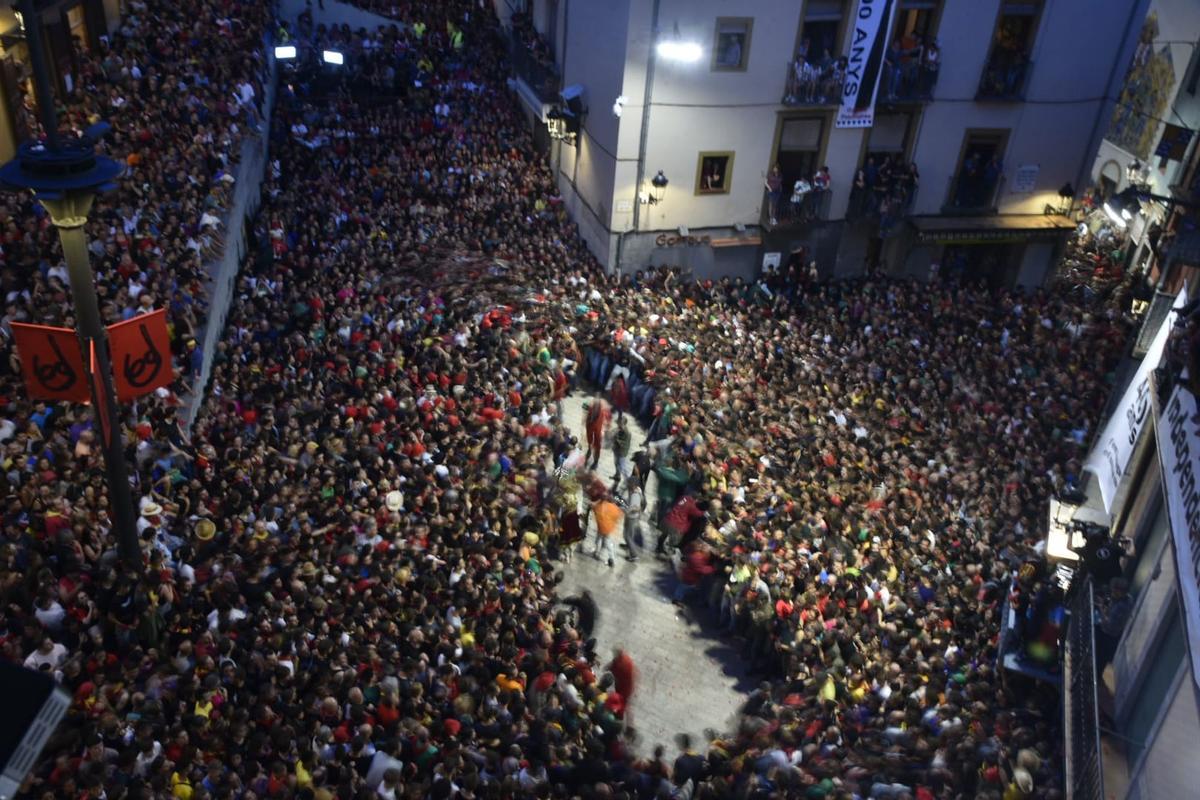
(205, 529)
(394, 500)
(151, 510)
(531, 538)
(309, 570)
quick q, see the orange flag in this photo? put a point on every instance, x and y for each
(51, 362)
(141, 355)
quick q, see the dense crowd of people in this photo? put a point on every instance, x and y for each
(177, 124)
(351, 561)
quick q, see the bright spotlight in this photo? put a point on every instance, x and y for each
(333, 57)
(1114, 215)
(285, 52)
(686, 52)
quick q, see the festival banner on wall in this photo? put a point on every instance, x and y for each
(864, 68)
(51, 362)
(141, 355)
(1179, 455)
(1110, 456)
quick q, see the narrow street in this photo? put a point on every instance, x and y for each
(688, 679)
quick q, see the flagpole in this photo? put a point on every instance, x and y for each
(65, 174)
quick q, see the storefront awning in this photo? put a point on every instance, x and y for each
(996, 228)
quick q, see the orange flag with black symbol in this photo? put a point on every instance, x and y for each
(51, 362)
(141, 355)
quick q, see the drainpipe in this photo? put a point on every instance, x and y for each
(648, 96)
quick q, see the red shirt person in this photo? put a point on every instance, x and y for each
(598, 416)
(624, 673)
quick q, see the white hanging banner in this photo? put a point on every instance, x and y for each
(1113, 449)
(864, 68)
(1179, 453)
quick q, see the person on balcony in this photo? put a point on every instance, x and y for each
(837, 78)
(1014, 75)
(892, 69)
(800, 191)
(931, 62)
(882, 185)
(820, 190)
(774, 184)
(910, 62)
(805, 76)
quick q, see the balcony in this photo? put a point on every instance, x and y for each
(978, 194)
(533, 64)
(789, 215)
(811, 85)
(1005, 77)
(885, 209)
(910, 82)
(907, 82)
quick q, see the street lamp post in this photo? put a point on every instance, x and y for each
(65, 174)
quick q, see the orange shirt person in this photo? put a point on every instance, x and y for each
(608, 521)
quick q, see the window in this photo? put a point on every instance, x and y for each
(1161, 667)
(1193, 71)
(799, 148)
(885, 182)
(1145, 560)
(980, 171)
(714, 173)
(888, 137)
(818, 68)
(914, 59)
(78, 27)
(916, 18)
(804, 185)
(1007, 70)
(821, 28)
(731, 50)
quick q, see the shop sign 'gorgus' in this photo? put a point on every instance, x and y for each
(671, 240)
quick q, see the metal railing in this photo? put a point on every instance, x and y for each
(973, 197)
(1003, 79)
(1084, 767)
(910, 83)
(538, 71)
(812, 87)
(813, 208)
(887, 208)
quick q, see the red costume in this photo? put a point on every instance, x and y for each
(598, 416)
(624, 674)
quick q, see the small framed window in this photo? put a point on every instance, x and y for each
(714, 172)
(731, 49)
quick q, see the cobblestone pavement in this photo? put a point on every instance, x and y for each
(688, 679)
